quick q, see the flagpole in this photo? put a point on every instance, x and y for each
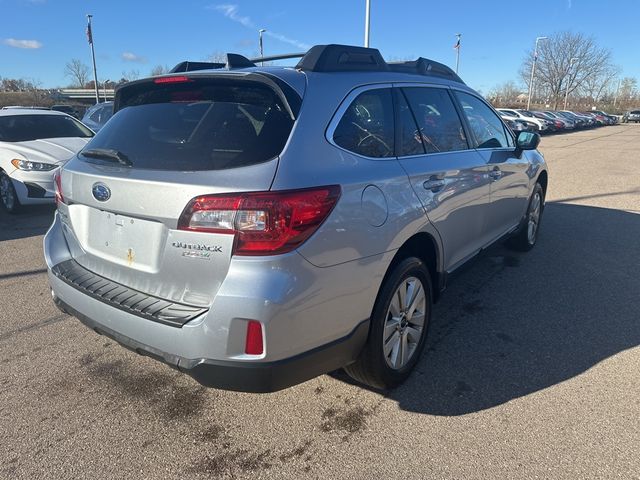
(93, 56)
(458, 52)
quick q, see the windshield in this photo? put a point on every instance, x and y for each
(23, 128)
(202, 124)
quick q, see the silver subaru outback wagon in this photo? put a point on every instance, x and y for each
(255, 227)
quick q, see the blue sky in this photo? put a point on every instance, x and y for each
(139, 34)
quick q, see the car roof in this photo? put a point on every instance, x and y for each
(352, 64)
(11, 112)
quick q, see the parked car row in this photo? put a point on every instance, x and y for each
(631, 116)
(554, 121)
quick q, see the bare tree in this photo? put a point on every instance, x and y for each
(504, 95)
(565, 61)
(597, 84)
(78, 72)
(130, 75)
(628, 94)
(216, 57)
(159, 70)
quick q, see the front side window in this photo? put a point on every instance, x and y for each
(487, 128)
(367, 126)
(439, 126)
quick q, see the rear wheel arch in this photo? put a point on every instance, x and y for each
(425, 247)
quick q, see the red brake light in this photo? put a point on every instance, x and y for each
(176, 79)
(265, 223)
(57, 182)
(253, 344)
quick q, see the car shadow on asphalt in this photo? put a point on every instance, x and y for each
(513, 324)
(30, 222)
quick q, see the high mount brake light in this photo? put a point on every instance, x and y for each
(264, 223)
(177, 79)
(57, 182)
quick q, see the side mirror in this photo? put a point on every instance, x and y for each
(527, 141)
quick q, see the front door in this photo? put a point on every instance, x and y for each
(449, 177)
(508, 172)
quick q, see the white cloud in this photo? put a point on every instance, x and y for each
(231, 12)
(290, 41)
(132, 57)
(29, 44)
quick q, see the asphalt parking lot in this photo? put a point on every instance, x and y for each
(532, 369)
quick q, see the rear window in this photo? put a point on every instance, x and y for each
(367, 126)
(23, 128)
(202, 124)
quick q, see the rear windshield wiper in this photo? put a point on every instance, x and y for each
(107, 154)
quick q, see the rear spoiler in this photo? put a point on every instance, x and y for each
(287, 95)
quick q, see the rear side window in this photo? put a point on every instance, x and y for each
(487, 128)
(23, 128)
(439, 125)
(367, 127)
(200, 124)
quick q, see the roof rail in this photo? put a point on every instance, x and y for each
(424, 66)
(342, 58)
(272, 58)
(333, 58)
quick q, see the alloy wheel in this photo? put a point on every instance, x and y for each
(6, 193)
(534, 218)
(405, 323)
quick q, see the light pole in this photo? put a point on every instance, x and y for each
(566, 94)
(457, 47)
(367, 22)
(260, 32)
(533, 70)
(93, 56)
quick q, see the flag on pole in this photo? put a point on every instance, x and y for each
(89, 34)
(457, 45)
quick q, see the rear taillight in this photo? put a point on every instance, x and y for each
(57, 182)
(265, 223)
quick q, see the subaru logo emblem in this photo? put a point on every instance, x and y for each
(101, 192)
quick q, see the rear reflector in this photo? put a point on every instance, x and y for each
(264, 223)
(177, 79)
(253, 344)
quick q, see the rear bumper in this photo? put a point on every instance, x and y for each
(253, 377)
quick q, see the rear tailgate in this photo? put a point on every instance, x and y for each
(179, 140)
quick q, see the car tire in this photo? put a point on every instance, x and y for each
(527, 234)
(398, 330)
(8, 196)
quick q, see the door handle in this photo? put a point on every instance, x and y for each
(496, 173)
(434, 184)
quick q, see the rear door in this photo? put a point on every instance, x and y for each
(507, 171)
(170, 141)
(449, 177)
